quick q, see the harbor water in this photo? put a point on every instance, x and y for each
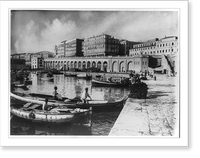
(96, 123)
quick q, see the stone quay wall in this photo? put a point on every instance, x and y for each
(158, 115)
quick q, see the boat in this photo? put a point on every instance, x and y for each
(70, 75)
(49, 75)
(84, 76)
(55, 115)
(27, 82)
(96, 82)
(47, 79)
(56, 72)
(66, 102)
(20, 86)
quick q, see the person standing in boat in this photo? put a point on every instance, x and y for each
(85, 95)
(56, 95)
(45, 105)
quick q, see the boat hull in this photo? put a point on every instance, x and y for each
(47, 79)
(43, 116)
(107, 84)
(71, 103)
(70, 75)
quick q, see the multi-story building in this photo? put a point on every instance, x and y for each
(28, 56)
(70, 48)
(101, 45)
(163, 53)
(144, 48)
(125, 46)
(37, 63)
(166, 46)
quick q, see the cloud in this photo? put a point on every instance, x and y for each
(46, 32)
(27, 40)
(33, 39)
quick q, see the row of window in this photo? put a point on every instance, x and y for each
(102, 46)
(101, 42)
(98, 37)
(135, 50)
(153, 44)
(102, 50)
(153, 52)
(144, 45)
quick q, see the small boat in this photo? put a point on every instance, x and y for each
(20, 86)
(85, 76)
(47, 79)
(55, 115)
(56, 72)
(27, 82)
(70, 75)
(49, 75)
(96, 82)
(66, 102)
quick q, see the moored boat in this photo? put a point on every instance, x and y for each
(70, 75)
(20, 86)
(56, 115)
(65, 102)
(84, 76)
(109, 84)
(47, 79)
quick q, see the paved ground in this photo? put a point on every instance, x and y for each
(155, 116)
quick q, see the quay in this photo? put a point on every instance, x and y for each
(155, 116)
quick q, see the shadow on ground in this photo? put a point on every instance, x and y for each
(156, 94)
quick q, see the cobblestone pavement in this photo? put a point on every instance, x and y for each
(158, 115)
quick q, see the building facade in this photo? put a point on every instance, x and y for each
(37, 63)
(101, 45)
(28, 57)
(166, 46)
(70, 48)
(106, 63)
(125, 46)
(164, 51)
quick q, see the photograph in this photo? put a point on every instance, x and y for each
(94, 74)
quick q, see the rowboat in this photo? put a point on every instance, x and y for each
(47, 79)
(27, 82)
(84, 75)
(55, 115)
(109, 84)
(20, 86)
(67, 103)
(70, 75)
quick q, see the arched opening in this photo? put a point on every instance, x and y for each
(114, 67)
(88, 64)
(130, 66)
(105, 66)
(58, 65)
(99, 65)
(93, 64)
(75, 64)
(84, 65)
(122, 67)
(71, 64)
(79, 64)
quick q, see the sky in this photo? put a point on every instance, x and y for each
(41, 30)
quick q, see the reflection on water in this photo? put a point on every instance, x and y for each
(97, 123)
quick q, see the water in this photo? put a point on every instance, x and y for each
(97, 123)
